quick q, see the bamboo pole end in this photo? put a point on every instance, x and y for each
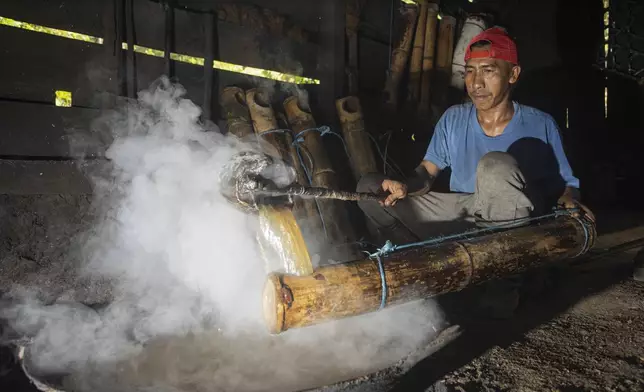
(348, 108)
(273, 299)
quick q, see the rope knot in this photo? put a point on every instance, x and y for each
(324, 129)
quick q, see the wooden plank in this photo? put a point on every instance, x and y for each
(22, 177)
(44, 131)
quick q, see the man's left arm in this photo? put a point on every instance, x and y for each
(571, 195)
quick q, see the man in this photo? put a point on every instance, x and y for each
(507, 159)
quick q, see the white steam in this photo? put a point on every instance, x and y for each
(187, 279)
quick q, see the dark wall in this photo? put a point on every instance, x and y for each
(35, 65)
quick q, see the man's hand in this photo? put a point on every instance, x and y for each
(568, 201)
(397, 191)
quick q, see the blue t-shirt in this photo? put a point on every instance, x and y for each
(531, 137)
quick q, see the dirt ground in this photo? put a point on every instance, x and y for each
(582, 331)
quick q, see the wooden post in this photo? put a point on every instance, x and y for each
(360, 147)
(428, 59)
(317, 162)
(416, 62)
(355, 288)
(238, 121)
(354, 8)
(399, 57)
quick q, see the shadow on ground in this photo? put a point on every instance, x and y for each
(565, 287)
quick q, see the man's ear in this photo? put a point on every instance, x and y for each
(514, 74)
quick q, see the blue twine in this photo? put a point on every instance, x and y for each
(390, 247)
(383, 283)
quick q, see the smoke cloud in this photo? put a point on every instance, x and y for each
(187, 278)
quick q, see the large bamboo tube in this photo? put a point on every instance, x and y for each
(316, 160)
(283, 242)
(360, 148)
(416, 61)
(265, 123)
(356, 288)
(300, 119)
(428, 58)
(233, 103)
(400, 56)
(473, 25)
(280, 144)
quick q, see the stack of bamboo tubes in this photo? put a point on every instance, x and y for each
(250, 116)
(426, 49)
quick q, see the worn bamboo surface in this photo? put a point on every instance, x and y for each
(238, 120)
(416, 60)
(355, 288)
(400, 56)
(428, 58)
(265, 123)
(300, 119)
(360, 148)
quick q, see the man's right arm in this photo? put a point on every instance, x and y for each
(436, 158)
(426, 174)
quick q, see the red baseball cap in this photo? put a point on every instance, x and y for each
(501, 46)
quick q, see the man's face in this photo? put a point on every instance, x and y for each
(488, 80)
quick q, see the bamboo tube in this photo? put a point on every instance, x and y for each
(473, 25)
(416, 61)
(233, 103)
(400, 56)
(444, 56)
(265, 122)
(363, 160)
(280, 146)
(428, 58)
(317, 162)
(300, 119)
(445, 49)
(356, 288)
